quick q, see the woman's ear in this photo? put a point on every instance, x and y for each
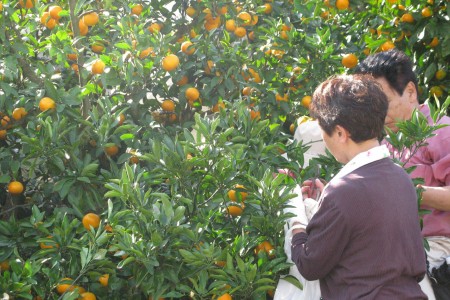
(342, 133)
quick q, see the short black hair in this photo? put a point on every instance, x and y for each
(393, 65)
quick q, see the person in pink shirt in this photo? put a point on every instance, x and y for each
(393, 70)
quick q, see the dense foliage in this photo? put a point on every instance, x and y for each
(161, 124)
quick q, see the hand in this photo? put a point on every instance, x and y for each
(312, 188)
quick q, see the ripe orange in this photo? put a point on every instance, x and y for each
(292, 128)
(251, 35)
(91, 219)
(278, 97)
(54, 12)
(45, 17)
(4, 265)
(184, 80)
(27, 4)
(18, 113)
(230, 25)
(154, 28)
(232, 193)
(255, 115)
(245, 18)
(246, 91)
(220, 263)
(170, 62)
(137, 9)
(225, 296)
(65, 285)
(187, 48)
(87, 296)
(306, 101)
(267, 8)
(47, 246)
(146, 52)
(192, 94)
(434, 42)
(111, 150)
(15, 188)
(440, 74)
(240, 32)
(168, 105)
(342, 4)
(265, 246)
(407, 18)
(219, 105)
(387, 46)
(47, 21)
(75, 68)
(97, 47)
(222, 10)
(436, 91)
(350, 60)
(84, 29)
(255, 19)
(190, 11)
(47, 103)
(212, 23)
(234, 210)
(104, 279)
(5, 122)
(72, 56)
(3, 134)
(209, 66)
(98, 67)
(427, 12)
(120, 119)
(91, 19)
(134, 160)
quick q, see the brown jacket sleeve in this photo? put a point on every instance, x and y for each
(318, 250)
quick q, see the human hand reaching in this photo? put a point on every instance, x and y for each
(312, 188)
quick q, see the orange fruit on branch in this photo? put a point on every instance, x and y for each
(234, 210)
(65, 285)
(265, 246)
(91, 219)
(47, 103)
(225, 296)
(187, 48)
(240, 32)
(54, 11)
(15, 188)
(91, 19)
(137, 9)
(342, 4)
(168, 105)
(111, 150)
(407, 18)
(350, 60)
(18, 113)
(192, 94)
(170, 62)
(87, 296)
(104, 279)
(98, 67)
(27, 4)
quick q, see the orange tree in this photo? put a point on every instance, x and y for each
(86, 128)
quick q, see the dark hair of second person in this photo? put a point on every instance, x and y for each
(393, 65)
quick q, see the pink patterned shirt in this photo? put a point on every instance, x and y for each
(433, 165)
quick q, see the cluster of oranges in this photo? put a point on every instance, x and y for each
(237, 197)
